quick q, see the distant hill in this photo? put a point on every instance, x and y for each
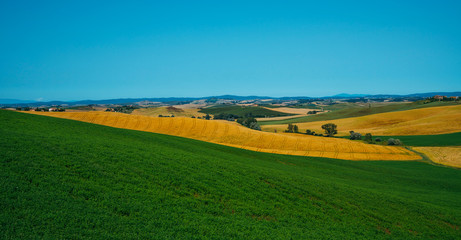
(421, 95)
(346, 95)
(105, 101)
(18, 102)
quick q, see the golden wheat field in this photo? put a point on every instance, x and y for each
(235, 135)
(450, 156)
(425, 121)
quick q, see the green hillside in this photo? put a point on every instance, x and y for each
(243, 111)
(62, 179)
(441, 140)
(348, 111)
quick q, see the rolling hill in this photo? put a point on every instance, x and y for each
(168, 111)
(339, 111)
(438, 140)
(242, 111)
(424, 121)
(235, 135)
(64, 179)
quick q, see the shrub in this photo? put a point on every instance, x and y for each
(368, 138)
(255, 126)
(395, 142)
(355, 135)
(378, 140)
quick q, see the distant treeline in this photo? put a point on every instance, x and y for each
(52, 109)
(122, 109)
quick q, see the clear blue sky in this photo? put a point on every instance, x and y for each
(72, 50)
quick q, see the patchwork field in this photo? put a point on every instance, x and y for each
(168, 111)
(264, 119)
(232, 134)
(349, 110)
(290, 110)
(255, 111)
(450, 156)
(425, 121)
(298, 113)
(63, 179)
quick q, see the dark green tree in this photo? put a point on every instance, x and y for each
(330, 129)
(249, 122)
(290, 128)
(368, 138)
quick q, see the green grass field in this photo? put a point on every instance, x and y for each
(243, 111)
(442, 140)
(63, 179)
(352, 110)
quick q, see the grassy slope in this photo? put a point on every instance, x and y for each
(66, 179)
(355, 111)
(440, 140)
(242, 111)
(452, 139)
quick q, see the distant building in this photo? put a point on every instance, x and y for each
(454, 97)
(52, 109)
(438, 97)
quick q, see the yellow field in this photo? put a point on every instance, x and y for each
(425, 121)
(450, 156)
(168, 111)
(302, 111)
(232, 134)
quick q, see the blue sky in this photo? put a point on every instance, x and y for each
(73, 50)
